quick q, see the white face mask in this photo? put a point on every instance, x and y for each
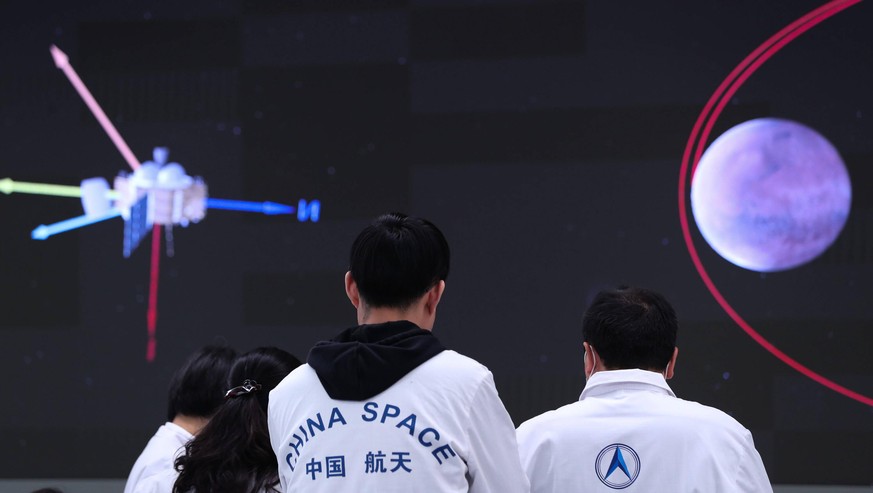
(593, 363)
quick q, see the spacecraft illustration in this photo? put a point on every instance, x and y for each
(155, 196)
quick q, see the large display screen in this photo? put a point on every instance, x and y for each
(555, 144)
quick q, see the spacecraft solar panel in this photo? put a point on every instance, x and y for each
(137, 226)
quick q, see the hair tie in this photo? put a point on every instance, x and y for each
(247, 387)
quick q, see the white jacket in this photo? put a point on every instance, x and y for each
(629, 431)
(158, 456)
(440, 428)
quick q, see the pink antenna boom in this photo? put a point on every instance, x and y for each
(62, 61)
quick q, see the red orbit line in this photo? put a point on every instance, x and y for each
(737, 72)
(152, 314)
(723, 94)
(735, 79)
(757, 58)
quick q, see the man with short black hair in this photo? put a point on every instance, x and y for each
(628, 427)
(196, 390)
(384, 407)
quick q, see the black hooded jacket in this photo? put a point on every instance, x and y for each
(363, 361)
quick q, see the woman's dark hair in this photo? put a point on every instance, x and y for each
(397, 258)
(233, 453)
(196, 388)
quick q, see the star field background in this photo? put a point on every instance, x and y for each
(544, 138)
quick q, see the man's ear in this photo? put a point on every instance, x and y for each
(433, 297)
(352, 290)
(671, 366)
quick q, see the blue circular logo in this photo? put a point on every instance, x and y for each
(617, 466)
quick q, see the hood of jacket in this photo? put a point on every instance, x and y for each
(363, 361)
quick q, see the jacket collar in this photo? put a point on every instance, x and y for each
(603, 382)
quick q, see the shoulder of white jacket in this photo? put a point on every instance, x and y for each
(567, 411)
(459, 361)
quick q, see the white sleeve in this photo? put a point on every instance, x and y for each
(493, 464)
(535, 456)
(277, 436)
(158, 483)
(751, 475)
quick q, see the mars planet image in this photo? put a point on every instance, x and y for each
(770, 195)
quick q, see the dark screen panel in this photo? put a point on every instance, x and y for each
(497, 30)
(304, 6)
(340, 134)
(40, 287)
(832, 464)
(558, 135)
(27, 451)
(295, 298)
(159, 44)
(183, 95)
